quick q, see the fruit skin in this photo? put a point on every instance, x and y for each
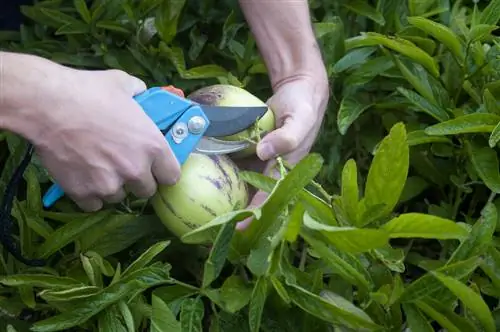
(209, 187)
(230, 95)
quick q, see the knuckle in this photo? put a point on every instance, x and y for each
(108, 188)
(134, 174)
(157, 146)
(78, 193)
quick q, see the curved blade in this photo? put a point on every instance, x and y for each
(229, 120)
(210, 145)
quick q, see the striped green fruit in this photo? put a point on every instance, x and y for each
(230, 95)
(209, 187)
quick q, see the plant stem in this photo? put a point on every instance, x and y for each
(303, 257)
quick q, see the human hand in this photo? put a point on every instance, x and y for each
(98, 143)
(299, 104)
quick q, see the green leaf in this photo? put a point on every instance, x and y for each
(465, 124)
(397, 44)
(426, 284)
(58, 15)
(83, 10)
(485, 161)
(491, 14)
(414, 186)
(419, 225)
(146, 257)
(416, 320)
(69, 232)
(257, 302)
(470, 299)
(419, 7)
(480, 236)
(218, 254)
(203, 233)
(285, 190)
(348, 239)
(176, 56)
(235, 294)
(205, 71)
(442, 33)
(481, 31)
(350, 109)
(66, 295)
(490, 102)
(167, 19)
(116, 233)
(494, 136)
(426, 85)
(331, 308)
(353, 58)
(294, 222)
(342, 267)
(112, 26)
(418, 137)
(81, 312)
(192, 313)
(445, 316)
(423, 104)
(350, 190)
(388, 172)
(363, 8)
(126, 315)
(39, 280)
(491, 266)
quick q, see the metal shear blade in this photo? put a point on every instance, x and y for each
(229, 120)
(211, 145)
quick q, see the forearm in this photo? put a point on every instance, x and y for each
(285, 37)
(24, 80)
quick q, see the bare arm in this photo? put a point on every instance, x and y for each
(23, 80)
(284, 35)
(84, 125)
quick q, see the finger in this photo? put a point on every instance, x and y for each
(143, 188)
(286, 138)
(116, 197)
(89, 204)
(166, 168)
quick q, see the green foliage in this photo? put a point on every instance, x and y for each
(390, 224)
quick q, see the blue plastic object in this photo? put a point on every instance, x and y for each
(172, 115)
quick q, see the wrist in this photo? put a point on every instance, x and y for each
(25, 84)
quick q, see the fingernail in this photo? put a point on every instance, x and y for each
(265, 151)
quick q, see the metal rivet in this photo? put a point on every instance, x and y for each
(196, 124)
(179, 131)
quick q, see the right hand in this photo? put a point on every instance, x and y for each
(98, 143)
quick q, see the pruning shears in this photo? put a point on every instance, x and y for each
(188, 126)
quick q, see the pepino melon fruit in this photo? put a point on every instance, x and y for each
(229, 95)
(210, 186)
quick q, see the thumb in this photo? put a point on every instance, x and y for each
(296, 126)
(130, 84)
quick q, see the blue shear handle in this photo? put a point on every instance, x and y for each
(168, 111)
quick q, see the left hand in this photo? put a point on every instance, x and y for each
(299, 105)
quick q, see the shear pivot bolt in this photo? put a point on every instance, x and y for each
(196, 124)
(179, 131)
